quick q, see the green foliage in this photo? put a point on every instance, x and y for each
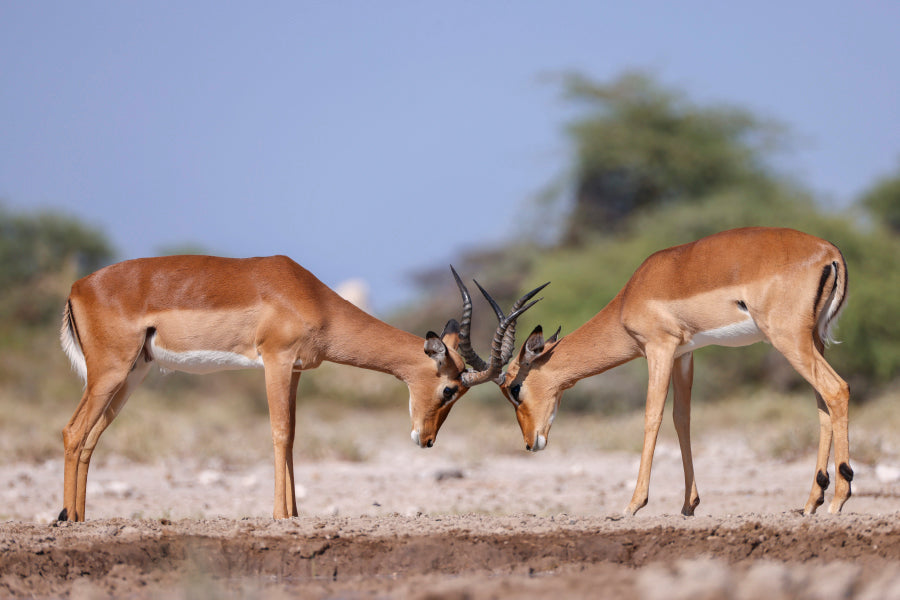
(32, 245)
(652, 170)
(639, 146)
(584, 280)
(883, 201)
(40, 255)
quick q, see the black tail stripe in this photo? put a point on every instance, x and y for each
(73, 325)
(826, 273)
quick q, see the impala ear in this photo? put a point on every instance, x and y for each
(553, 338)
(435, 348)
(450, 335)
(533, 346)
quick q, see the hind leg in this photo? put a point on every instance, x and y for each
(821, 480)
(134, 379)
(805, 353)
(101, 390)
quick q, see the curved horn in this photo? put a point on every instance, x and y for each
(496, 365)
(465, 344)
(509, 339)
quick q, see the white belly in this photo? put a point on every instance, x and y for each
(201, 361)
(742, 333)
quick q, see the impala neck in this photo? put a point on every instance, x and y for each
(357, 338)
(597, 346)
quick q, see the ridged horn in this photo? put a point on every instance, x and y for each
(465, 327)
(509, 339)
(495, 368)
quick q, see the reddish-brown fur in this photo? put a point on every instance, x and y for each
(262, 309)
(776, 277)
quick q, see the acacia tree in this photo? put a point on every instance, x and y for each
(639, 146)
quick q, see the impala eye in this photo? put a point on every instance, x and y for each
(514, 391)
(450, 393)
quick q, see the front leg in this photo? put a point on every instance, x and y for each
(279, 380)
(682, 379)
(659, 364)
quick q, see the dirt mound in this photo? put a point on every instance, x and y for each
(455, 556)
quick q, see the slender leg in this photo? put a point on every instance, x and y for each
(659, 363)
(682, 379)
(291, 500)
(821, 480)
(278, 380)
(135, 377)
(833, 397)
(95, 401)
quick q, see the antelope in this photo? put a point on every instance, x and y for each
(734, 288)
(200, 314)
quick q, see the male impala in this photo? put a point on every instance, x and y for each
(200, 314)
(733, 288)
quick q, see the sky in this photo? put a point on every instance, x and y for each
(371, 139)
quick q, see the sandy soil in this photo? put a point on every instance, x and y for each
(448, 523)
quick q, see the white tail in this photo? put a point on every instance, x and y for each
(834, 305)
(68, 336)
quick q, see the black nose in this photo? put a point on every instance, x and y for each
(430, 443)
(528, 447)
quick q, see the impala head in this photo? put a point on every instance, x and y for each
(432, 397)
(531, 389)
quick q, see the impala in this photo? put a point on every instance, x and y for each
(200, 314)
(733, 288)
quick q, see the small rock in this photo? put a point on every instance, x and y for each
(887, 473)
(448, 474)
(210, 477)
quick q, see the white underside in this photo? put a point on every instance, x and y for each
(201, 361)
(742, 333)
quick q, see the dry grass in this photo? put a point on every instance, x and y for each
(346, 413)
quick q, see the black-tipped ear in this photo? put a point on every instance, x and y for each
(552, 339)
(533, 346)
(535, 341)
(452, 326)
(450, 335)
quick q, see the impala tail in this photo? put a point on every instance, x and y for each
(834, 273)
(71, 345)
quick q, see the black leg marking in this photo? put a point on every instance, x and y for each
(823, 480)
(63, 515)
(846, 472)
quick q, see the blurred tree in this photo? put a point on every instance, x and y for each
(41, 254)
(882, 200)
(657, 171)
(183, 248)
(640, 146)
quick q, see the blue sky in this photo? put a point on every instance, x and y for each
(370, 139)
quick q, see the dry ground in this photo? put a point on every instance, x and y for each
(464, 519)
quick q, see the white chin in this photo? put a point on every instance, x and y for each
(414, 434)
(540, 443)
